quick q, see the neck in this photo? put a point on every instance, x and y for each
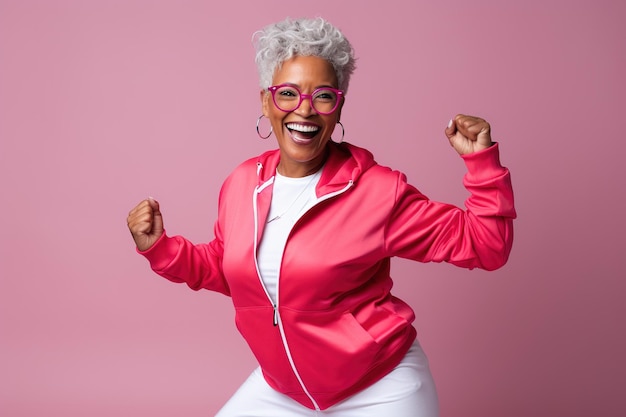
(301, 169)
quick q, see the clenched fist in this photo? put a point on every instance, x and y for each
(145, 223)
(468, 134)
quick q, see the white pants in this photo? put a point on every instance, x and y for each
(407, 391)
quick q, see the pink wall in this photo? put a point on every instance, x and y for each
(103, 103)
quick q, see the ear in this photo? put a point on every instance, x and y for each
(265, 96)
(343, 100)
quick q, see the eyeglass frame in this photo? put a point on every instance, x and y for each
(272, 89)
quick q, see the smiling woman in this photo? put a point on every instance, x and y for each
(305, 235)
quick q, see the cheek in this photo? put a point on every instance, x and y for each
(276, 117)
(330, 122)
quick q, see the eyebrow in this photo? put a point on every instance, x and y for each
(314, 88)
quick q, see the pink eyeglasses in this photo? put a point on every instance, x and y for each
(324, 100)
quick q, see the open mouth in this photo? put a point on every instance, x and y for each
(302, 131)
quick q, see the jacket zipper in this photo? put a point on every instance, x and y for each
(276, 321)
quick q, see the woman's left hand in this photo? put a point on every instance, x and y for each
(468, 134)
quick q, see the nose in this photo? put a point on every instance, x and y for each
(305, 108)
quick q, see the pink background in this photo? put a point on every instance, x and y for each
(103, 103)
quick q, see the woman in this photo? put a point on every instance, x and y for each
(304, 238)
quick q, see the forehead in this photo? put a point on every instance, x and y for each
(306, 71)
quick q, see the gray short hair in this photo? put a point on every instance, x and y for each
(281, 41)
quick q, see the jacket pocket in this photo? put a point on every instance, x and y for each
(331, 351)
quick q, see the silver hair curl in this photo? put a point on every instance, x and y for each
(278, 42)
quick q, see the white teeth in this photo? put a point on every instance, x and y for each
(302, 128)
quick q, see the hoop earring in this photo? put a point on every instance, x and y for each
(343, 133)
(257, 128)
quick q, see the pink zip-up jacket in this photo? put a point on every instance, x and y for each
(336, 328)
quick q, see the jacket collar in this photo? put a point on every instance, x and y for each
(345, 163)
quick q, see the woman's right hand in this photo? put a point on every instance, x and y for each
(145, 223)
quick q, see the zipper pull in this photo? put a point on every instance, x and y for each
(275, 322)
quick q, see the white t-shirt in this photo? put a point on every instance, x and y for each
(291, 198)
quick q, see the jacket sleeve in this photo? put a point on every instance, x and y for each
(197, 265)
(479, 237)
